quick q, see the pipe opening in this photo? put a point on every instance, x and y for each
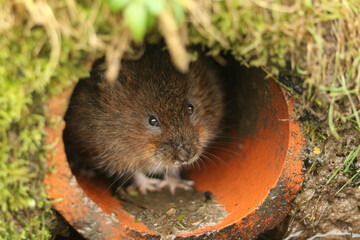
(246, 166)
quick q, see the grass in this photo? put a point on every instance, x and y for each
(46, 46)
(347, 164)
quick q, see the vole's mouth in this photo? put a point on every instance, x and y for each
(192, 160)
(178, 164)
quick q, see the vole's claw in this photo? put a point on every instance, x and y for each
(174, 183)
(172, 180)
(144, 183)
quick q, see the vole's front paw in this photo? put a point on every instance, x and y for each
(144, 183)
(174, 182)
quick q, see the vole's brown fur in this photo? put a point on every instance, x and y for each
(110, 122)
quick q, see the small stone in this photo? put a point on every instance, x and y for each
(114, 217)
(171, 212)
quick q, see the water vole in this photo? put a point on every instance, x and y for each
(153, 119)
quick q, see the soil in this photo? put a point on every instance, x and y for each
(318, 212)
(167, 214)
(318, 209)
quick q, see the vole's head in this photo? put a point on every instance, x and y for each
(171, 124)
(163, 118)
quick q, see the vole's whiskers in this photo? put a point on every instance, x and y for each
(225, 149)
(217, 157)
(116, 179)
(125, 172)
(198, 164)
(133, 174)
(228, 137)
(152, 173)
(210, 160)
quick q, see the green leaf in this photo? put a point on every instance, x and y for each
(116, 5)
(181, 217)
(151, 22)
(136, 18)
(155, 6)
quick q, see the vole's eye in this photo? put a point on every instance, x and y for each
(153, 121)
(191, 109)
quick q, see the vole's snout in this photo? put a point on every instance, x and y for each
(186, 152)
(183, 150)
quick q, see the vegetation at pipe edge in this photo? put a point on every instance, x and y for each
(45, 46)
(347, 165)
(140, 15)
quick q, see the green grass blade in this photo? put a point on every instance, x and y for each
(338, 169)
(357, 173)
(353, 156)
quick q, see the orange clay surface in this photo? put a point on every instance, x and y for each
(255, 184)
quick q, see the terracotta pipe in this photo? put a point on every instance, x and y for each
(255, 186)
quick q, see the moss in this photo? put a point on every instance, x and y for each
(24, 59)
(45, 47)
(21, 150)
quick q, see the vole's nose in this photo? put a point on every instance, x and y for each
(186, 152)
